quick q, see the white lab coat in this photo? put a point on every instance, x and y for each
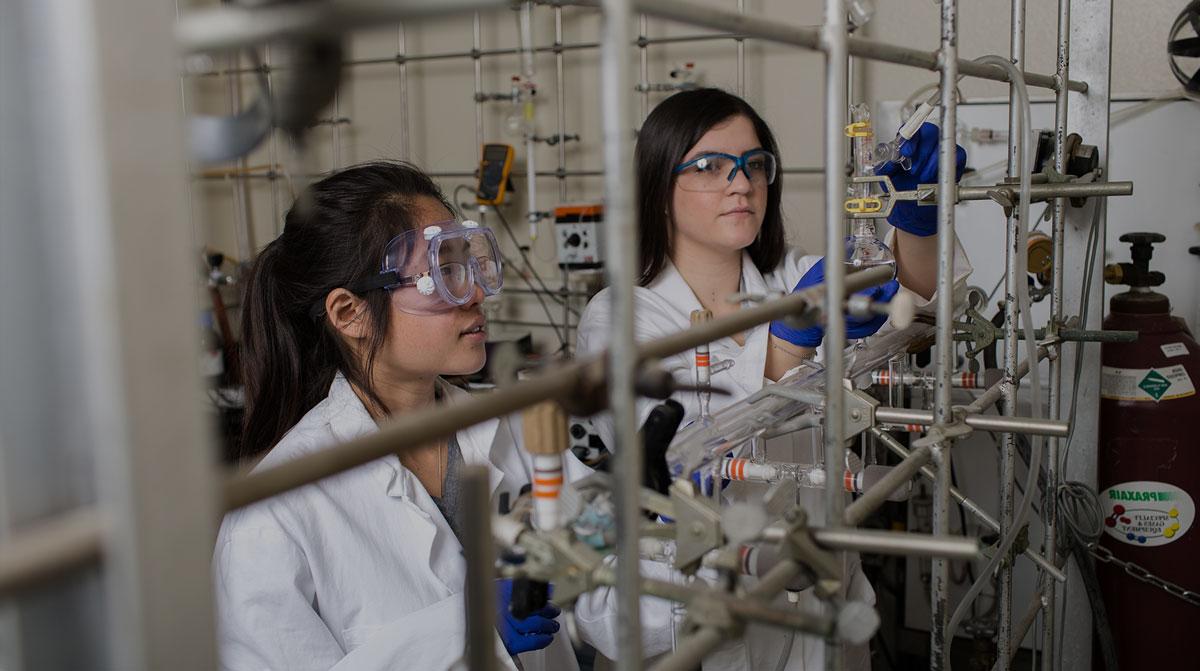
(360, 570)
(664, 308)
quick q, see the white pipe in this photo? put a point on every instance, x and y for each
(530, 128)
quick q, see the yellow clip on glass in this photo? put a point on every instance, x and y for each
(859, 129)
(863, 205)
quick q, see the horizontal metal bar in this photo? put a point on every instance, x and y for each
(1084, 335)
(530, 324)
(883, 542)
(399, 58)
(897, 543)
(809, 37)
(1029, 425)
(418, 428)
(229, 27)
(980, 514)
(744, 609)
(436, 174)
(50, 549)
(792, 304)
(869, 502)
(552, 292)
(1039, 192)
(443, 174)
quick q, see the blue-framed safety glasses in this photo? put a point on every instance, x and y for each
(436, 268)
(715, 171)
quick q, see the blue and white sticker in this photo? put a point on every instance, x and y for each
(1147, 513)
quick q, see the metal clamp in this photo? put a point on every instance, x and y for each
(924, 194)
(860, 411)
(942, 433)
(710, 611)
(799, 544)
(553, 557)
(697, 526)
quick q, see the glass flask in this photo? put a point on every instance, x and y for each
(864, 249)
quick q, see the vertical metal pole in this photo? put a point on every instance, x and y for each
(621, 250)
(241, 196)
(837, 57)
(562, 162)
(401, 58)
(273, 150)
(562, 107)
(480, 590)
(1050, 507)
(1011, 315)
(50, 183)
(643, 66)
(741, 56)
(99, 186)
(337, 129)
(942, 640)
(1091, 61)
(476, 42)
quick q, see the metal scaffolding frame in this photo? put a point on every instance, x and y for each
(149, 445)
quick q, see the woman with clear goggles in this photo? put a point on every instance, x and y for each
(353, 315)
(710, 226)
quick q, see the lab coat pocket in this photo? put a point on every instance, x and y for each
(432, 638)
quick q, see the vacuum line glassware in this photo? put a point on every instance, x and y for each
(864, 249)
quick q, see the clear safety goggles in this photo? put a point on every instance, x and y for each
(715, 171)
(436, 268)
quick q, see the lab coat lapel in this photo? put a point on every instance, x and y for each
(477, 441)
(679, 296)
(751, 358)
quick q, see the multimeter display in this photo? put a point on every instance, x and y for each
(493, 173)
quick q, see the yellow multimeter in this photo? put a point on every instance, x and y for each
(493, 173)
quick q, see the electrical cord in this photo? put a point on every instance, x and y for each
(529, 266)
(563, 336)
(1083, 518)
(1093, 246)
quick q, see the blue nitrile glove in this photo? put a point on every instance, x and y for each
(922, 148)
(523, 635)
(856, 327)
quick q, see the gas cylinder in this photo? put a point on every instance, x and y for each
(1149, 467)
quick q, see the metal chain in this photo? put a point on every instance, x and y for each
(1103, 554)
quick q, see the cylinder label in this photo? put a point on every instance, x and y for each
(1147, 513)
(1145, 384)
(1174, 349)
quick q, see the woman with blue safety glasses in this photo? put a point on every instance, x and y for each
(711, 226)
(352, 316)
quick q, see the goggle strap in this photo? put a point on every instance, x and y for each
(387, 278)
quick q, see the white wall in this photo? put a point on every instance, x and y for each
(784, 84)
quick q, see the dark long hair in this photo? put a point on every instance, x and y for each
(334, 236)
(671, 129)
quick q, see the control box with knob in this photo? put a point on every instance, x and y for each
(578, 236)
